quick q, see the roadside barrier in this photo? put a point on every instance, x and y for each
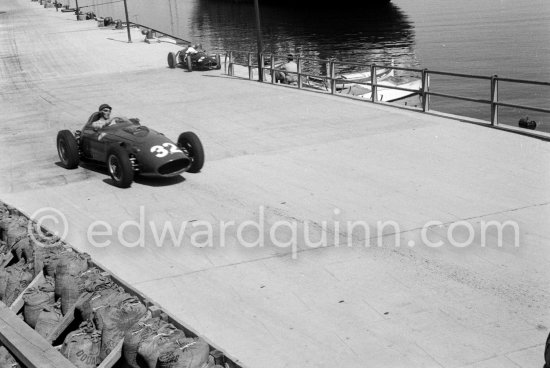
(309, 77)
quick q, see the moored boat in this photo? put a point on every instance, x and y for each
(348, 80)
(390, 94)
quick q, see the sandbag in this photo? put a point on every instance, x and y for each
(7, 360)
(69, 266)
(23, 250)
(91, 302)
(19, 277)
(3, 282)
(137, 333)
(5, 222)
(82, 346)
(94, 280)
(167, 338)
(36, 299)
(194, 354)
(48, 319)
(116, 320)
(16, 230)
(46, 258)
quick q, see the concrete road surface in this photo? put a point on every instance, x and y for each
(322, 232)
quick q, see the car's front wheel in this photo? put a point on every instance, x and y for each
(67, 149)
(172, 60)
(191, 143)
(120, 167)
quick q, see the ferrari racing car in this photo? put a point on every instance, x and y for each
(197, 61)
(129, 148)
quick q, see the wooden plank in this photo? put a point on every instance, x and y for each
(26, 344)
(18, 303)
(113, 357)
(67, 319)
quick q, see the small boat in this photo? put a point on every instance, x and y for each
(390, 94)
(348, 80)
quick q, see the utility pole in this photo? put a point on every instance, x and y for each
(127, 21)
(260, 44)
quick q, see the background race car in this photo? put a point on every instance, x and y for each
(192, 59)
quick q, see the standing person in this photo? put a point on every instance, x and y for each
(283, 76)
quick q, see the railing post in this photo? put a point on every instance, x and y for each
(494, 100)
(299, 67)
(230, 64)
(272, 71)
(425, 90)
(225, 66)
(327, 67)
(261, 69)
(374, 87)
(250, 71)
(332, 76)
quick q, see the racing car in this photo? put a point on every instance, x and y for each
(199, 61)
(129, 148)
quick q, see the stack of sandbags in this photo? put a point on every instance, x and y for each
(135, 335)
(46, 258)
(116, 319)
(7, 360)
(193, 353)
(155, 343)
(70, 266)
(92, 301)
(82, 347)
(36, 299)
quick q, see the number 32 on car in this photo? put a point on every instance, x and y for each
(165, 149)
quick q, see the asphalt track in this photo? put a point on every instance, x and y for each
(293, 158)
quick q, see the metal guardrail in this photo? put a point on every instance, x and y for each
(424, 92)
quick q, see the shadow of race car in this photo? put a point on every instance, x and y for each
(199, 61)
(128, 148)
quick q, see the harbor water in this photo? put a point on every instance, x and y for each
(508, 38)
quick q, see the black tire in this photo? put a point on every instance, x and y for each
(172, 60)
(192, 144)
(67, 149)
(120, 167)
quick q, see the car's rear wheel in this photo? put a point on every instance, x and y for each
(192, 144)
(67, 148)
(172, 60)
(120, 167)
